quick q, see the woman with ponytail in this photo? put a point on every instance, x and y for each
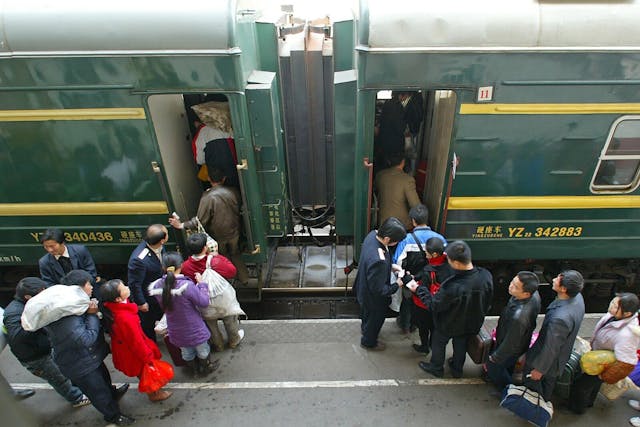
(131, 349)
(180, 299)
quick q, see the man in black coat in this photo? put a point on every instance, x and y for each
(373, 285)
(32, 349)
(515, 327)
(546, 359)
(458, 309)
(61, 258)
(145, 266)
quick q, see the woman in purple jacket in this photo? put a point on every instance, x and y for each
(180, 299)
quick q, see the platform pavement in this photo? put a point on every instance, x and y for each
(311, 373)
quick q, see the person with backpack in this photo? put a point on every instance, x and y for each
(411, 256)
(458, 308)
(431, 276)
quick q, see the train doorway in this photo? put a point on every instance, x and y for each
(419, 125)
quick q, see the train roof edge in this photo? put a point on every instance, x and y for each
(499, 24)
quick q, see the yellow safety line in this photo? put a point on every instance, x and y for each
(92, 208)
(544, 202)
(631, 108)
(72, 114)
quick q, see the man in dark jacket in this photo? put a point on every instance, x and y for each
(515, 327)
(32, 349)
(79, 350)
(61, 258)
(546, 359)
(373, 285)
(145, 266)
(458, 309)
(219, 213)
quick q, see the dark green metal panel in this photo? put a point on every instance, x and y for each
(343, 39)
(266, 129)
(363, 152)
(345, 89)
(267, 38)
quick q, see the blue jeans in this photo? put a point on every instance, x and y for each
(47, 369)
(201, 350)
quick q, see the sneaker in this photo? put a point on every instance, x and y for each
(240, 337)
(380, 346)
(634, 404)
(122, 420)
(454, 373)
(429, 369)
(83, 401)
(422, 348)
(634, 421)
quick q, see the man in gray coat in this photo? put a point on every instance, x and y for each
(547, 358)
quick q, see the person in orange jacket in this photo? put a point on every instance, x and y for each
(130, 347)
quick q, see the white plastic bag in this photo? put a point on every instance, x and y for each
(53, 304)
(222, 296)
(211, 242)
(161, 326)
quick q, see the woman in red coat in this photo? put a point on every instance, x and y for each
(131, 349)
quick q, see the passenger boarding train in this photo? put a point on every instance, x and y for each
(529, 148)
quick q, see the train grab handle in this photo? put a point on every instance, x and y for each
(244, 165)
(369, 165)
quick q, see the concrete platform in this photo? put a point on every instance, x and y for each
(311, 373)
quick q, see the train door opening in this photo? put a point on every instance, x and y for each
(193, 131)
(417, 126)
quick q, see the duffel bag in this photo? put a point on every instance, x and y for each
(527, 404)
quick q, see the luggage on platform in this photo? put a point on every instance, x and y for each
(568, 376)
(479, 346)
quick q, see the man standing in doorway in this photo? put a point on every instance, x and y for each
(219, 213)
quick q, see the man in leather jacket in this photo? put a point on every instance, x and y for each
(515, 327)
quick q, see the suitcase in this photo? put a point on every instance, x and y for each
(568, 376)
(174, 352)
(479, 346)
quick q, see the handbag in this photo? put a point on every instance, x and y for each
(527, 404)
(479, 346)
(211, 242)
(155, 375)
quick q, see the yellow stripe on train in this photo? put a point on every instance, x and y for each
(544, 202)
(82, 209)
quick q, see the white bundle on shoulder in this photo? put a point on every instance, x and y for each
(53, 304)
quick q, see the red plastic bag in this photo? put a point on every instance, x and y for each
(155, 375)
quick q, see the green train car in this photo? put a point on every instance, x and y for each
(529, 144)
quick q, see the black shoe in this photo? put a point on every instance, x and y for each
(122, 420)
(23, 394)
(120, 391)
(454, 373)
(422, 348)
(428, 368)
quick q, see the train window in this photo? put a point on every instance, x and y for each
(619, 163)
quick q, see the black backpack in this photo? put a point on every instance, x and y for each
(415, 261)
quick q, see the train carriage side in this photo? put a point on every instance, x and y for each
(95, 137)
(533, 145)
